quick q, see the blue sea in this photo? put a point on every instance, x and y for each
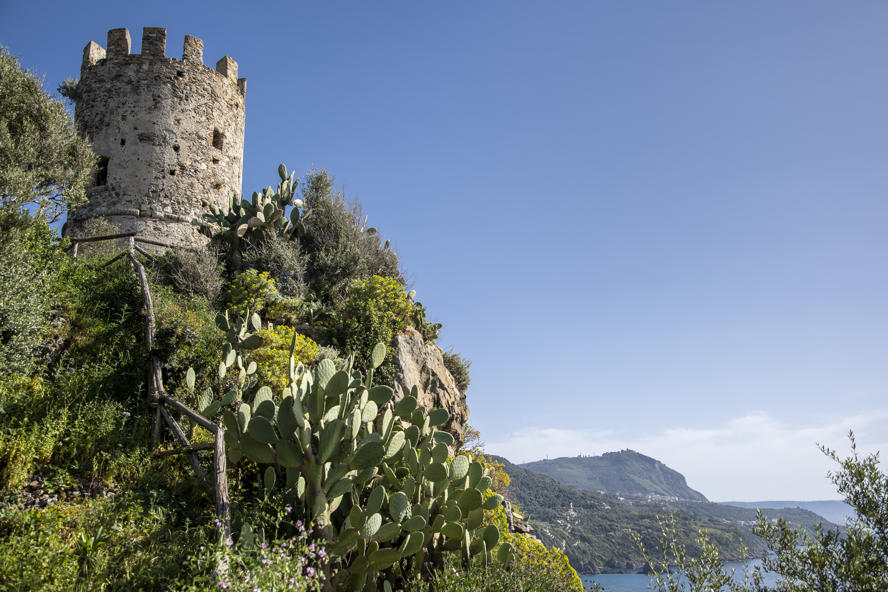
(641, 582)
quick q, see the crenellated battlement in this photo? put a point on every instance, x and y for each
(168, 133)
(119, 45)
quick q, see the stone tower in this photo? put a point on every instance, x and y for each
(169, 135)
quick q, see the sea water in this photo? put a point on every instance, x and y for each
(641, 582)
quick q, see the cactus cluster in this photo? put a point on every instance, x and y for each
(255, 219)
(378, 476)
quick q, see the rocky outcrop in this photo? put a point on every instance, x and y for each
(422, 364)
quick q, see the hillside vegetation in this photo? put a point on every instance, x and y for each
(223, 417)
(595, 529)
(625, 473)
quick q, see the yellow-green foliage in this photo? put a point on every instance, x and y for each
(553, 562)
(99, 544)
(250, 291)
(272, 359)
(25, 442)
(375, 310)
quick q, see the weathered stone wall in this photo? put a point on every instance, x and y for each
(172, 133)
(422, 364)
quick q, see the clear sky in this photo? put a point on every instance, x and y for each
(655, 225)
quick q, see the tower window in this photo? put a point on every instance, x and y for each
(123, 141)
(102, 171)
(218, 139)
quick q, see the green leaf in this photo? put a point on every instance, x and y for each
(412, 544)
(189, 378)
(414, 523)
(438, 417)
(380, 394)
(453, 514)
(289, 455)
(469, 500)
(440, 453)
(257, 452)
(474, 519)
(325, 371)
(452, 530)
(443, 437)
(459, 468)
(337, 384)
(475, 473)
(377, 356)
(269, 479)
(376, 499)
(405, 407)
(505, 553)
(388, 531)
(255, 321)
(436, 472)
(399, 506)
(251, 342)
(368, 455)
(371, 525)
(266, 409)
(261, 430)
(288, 420)
(331, 438)
(491, 536)
(384, 558)
(493, 502)
(243, 416)
(395, 444)
(223, 369)
(229, 397)
(369, 412)
(229, 420)
(222, 322)
(212, 409)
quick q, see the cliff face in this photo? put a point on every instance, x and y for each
(422, 364)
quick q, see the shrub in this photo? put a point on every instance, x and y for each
(30, 263)
(521, 575)
(186, 335)
(193, 273)
(458, 367)
(374, 311)
(250, 291)
(283, 563)
(282, 258)
(26, 439)
(337, 246)
(272, 358)
(100, 544)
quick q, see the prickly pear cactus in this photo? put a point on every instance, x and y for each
(255, 219)
(379, 477)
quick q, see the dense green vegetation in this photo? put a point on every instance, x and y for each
(329, 485)
(596, 529)
(625, 473)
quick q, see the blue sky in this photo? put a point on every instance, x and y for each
(649, 225)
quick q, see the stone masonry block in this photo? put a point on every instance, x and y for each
(92, 53)
(154, 41)
(119, 42)
(192, 50)
(227, 67)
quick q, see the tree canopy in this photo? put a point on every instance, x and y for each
(43, 162)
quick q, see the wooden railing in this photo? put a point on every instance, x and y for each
(161, 401)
